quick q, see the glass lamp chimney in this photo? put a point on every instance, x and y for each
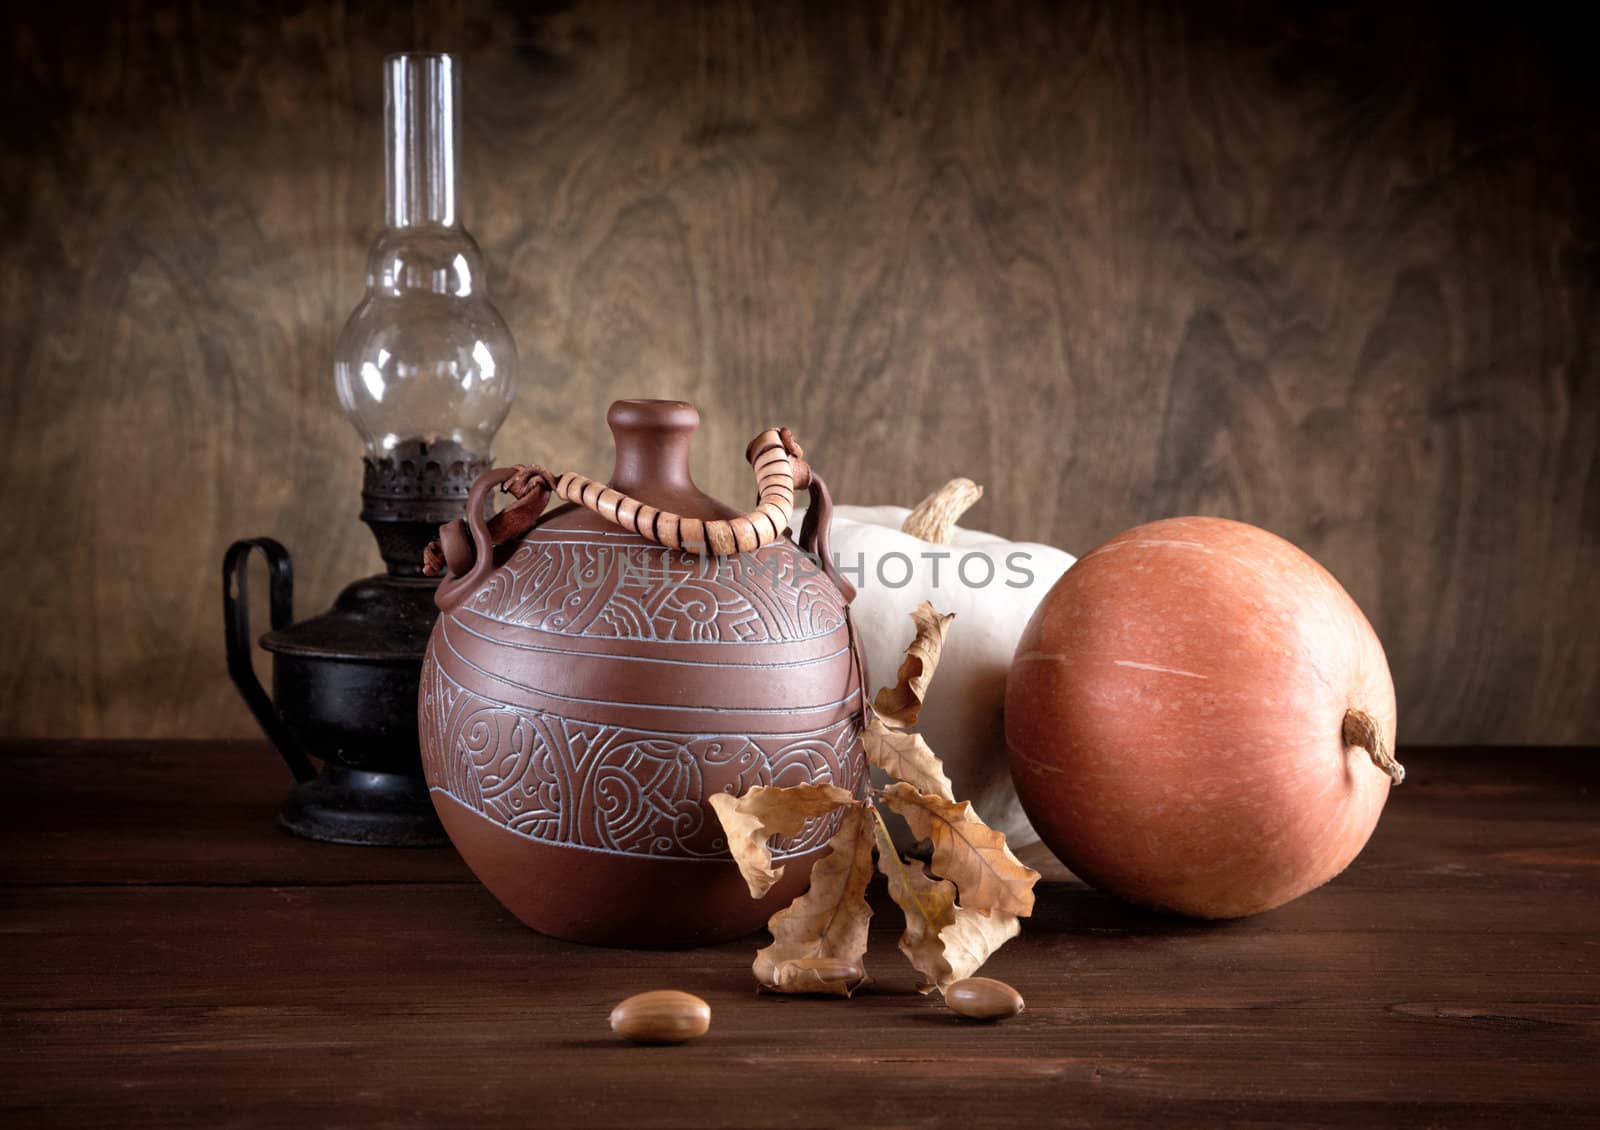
(425, 357)
(421, 140)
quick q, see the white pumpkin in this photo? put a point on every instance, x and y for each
(991, 584)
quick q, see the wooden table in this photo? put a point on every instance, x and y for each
(171, 958)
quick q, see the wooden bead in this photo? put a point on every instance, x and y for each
(720, 539)
(779, 516)
(667, 530)
(628, 513)
(607, 502)
(745, 538)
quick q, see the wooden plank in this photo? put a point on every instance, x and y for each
(176, 812)
(204, 945)
(377, 1001)
(1115, 261)
(1522, 813)
(1450, 977)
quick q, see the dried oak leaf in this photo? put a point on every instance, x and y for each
(967, 851)
(766, 811)
(900, 704)
(906, 757)
(928, 905)
(944, 942)
(972, 938)
(818, 941)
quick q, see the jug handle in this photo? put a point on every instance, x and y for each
(236, 625)
(465, 547)
(780, 469)
(816, 531)
(468, 571)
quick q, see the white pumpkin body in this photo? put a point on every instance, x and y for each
(992, 585)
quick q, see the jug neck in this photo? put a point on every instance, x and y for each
(652, 439)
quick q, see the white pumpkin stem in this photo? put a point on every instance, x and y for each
(1361, 731)
(933, 517)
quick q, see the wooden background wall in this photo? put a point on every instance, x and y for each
(1331, 273)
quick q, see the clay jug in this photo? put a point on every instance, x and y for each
(598, 671)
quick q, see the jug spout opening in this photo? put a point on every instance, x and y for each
(653, 416)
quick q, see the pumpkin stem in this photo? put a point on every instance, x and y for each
(1361, 731)
(932, 518)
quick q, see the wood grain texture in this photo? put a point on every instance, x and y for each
(167, 957)
(1334, 274)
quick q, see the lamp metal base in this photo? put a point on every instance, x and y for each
(354, 806)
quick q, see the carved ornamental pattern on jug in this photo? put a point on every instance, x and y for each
(614, 788)
(618, 588)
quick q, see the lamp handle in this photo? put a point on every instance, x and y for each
(236, 627)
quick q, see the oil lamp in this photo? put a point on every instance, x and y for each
(425, 370)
